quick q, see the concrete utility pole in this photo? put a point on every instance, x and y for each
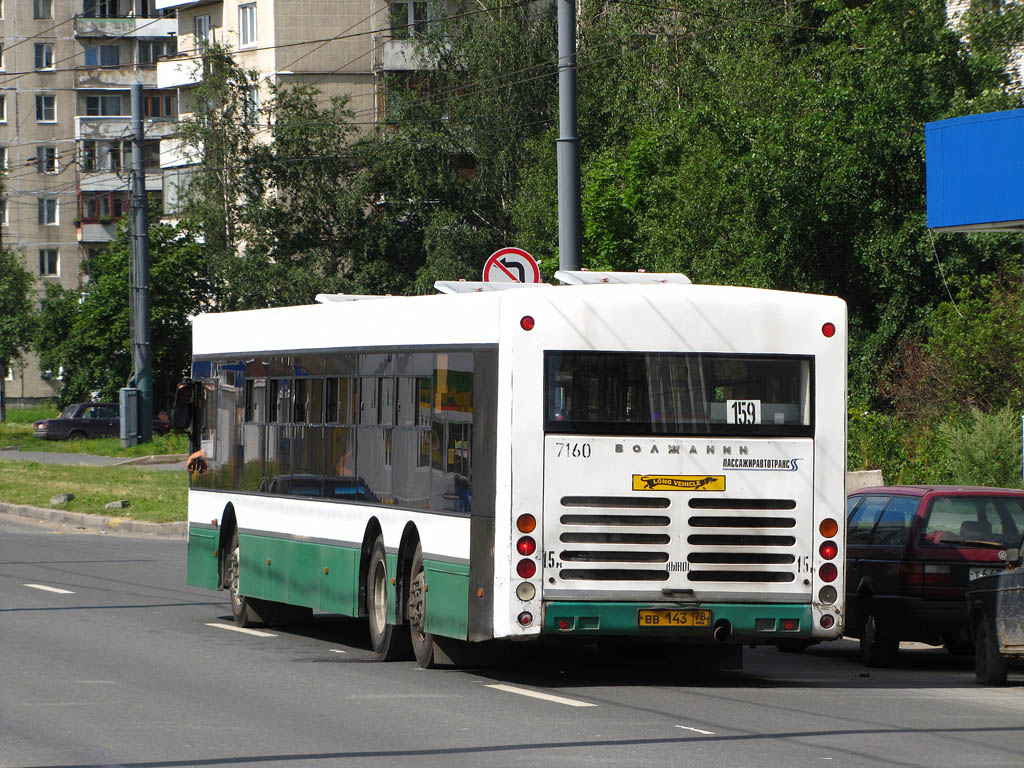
(569, 207)
(142, 355)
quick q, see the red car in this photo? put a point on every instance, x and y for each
(912, 552)
(85, 420)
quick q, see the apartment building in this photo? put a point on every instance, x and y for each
(343, 48)
(66, 69)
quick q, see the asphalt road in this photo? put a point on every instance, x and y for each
(108, 659)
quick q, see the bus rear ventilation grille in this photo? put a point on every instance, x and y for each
(622, 502)
(614, 538)
(740, 558)
(726, 503)
(616, 574)
(570, 556)
(703, 521)
(740, 540)
(750, 576)
(615, 520)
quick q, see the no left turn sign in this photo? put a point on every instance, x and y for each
(511, 265)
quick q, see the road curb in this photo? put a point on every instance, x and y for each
(98, 522)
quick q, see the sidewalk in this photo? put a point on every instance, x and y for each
(170, 462)
(100, 523)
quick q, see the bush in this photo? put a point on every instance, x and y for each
(985, 450)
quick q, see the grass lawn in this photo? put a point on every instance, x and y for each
(17, 432)
(159, 496)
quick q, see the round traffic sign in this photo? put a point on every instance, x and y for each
(511, 265)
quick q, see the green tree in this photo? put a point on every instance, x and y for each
(17, 316)
(94, 350)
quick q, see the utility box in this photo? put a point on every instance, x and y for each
(129, 416)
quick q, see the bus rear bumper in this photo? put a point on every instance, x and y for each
(727, 622)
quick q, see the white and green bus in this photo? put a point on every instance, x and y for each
(622, 456)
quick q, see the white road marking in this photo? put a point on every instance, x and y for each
(335, 650)
(243, 630)
(544, 696)
(50, 589)
(696, 730)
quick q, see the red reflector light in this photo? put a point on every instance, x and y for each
(563, 624)
(526, 523)
(526, 569)
(790, 625)
(827, 621)
(828, 330)
(828, 572)
(828, 528)
(526, 323)
(829, 550)
(526, 546)
(525, 618)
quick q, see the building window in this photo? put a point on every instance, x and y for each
(104, 206)
(102, 56)
(3, 159)
(42, 9)
(160, 105)
(409, 18)
(202, 31)
(49, 262)
(44, 55)
(3, 211)
(103, 106)
(151, 50)
(3, 109)
(251, 107)
(46, 160)
(46, 108)
(101, 155)
(101, 9)
(247, 24)
(48, 210)
(2, 66)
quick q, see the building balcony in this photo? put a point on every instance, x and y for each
(129, 26)
(96, 232)
(114, 77)
(391, 55)
(162, 5)
(178, 72)
(119, 126)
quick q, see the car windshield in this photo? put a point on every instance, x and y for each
(68, 412)
(974, 521)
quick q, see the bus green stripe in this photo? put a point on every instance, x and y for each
(325, 577)
(750, 622)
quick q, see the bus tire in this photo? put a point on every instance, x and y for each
(388, 643)
(422, 642)
(243, 609)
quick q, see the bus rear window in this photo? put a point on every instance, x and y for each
(637, 393)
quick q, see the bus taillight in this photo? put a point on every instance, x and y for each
(526, 546)
(828, 550)
(828, 330)
(827, 621)
(525, 618)
(526, 523)
(828, 572)
(526, 323)
(526, 569)
(828, 528)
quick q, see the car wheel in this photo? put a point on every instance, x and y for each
(877, 649)
(989, 667)
(77, 435)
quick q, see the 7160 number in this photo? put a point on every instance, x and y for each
(573, 450)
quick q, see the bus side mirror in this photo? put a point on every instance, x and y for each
(184, 405)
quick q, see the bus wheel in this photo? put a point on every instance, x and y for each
(242, 611)
(388, 644)
(422, 642)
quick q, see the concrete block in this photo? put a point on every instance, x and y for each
(61, 498)
(122, 504)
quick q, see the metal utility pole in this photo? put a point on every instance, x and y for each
(569, 207)
(142, 355)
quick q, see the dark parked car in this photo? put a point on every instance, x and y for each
(83, 420)
(996, 607)
(912, 551)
